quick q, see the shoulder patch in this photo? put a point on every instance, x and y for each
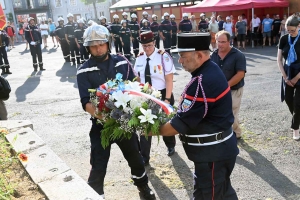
(140, 54)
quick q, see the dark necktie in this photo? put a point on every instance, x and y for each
(147, 73)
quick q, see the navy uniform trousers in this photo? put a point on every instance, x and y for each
(170, 141)
(74, 50)
(3, 55)
(118, 44)
(84, 55)
(174, 41)
(167, 42)
(99, 159)
(36, 51)
(136, 45)
(65, 49)
(211, 180)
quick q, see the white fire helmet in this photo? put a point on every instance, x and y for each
(124, 13)
(145, 13)
(116, 16)
(95, 35)
(154, 15)
(166, 14)
(202, 14)
(185, 15)
(60, 19)
(133, 15)
(70, 15)
(172, 16)
(80, 21)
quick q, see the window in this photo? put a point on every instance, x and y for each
(173, 4)
(73, 2)
(17, 4)
(188, 3)
(147, 8)
(166, 5)
(43, 3)
(2, 2)
(58, 3)
(102, 13)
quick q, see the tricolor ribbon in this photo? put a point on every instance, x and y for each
(167, 108)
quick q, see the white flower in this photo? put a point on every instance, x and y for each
(156, 93)
(135, 103)
(133, 86)
(121, 98)
(147, 116)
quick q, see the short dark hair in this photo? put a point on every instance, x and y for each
(292, 21)
(227, 34)
(220, 16)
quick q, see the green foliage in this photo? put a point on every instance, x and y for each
(134, 121)
(87, 2)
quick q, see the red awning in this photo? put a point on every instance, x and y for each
(227, 5)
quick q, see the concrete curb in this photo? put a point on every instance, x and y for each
(46, 169)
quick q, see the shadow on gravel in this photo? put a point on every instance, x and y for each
(268, 172)
(28, 86)
(25, 51)
(68, 73)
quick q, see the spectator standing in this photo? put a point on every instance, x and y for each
(227, 26)
(213, 28)
(10, 32)
(15, 31)
(233, 27)
(282, 26)
(289, 49)
(244, 18)
(241, 30)
(52, 28)
(21, 31)
(255, 23)
(220, 22)
(233, 64)
(266, 29)
(44, 32)
(25, 25)
(194, 23)
(276, 29)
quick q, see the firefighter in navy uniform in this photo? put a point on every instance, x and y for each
(125, 37)
(165, 32)
(115, 29)
(4, 42)
(204, 120)
(174, 32)
(185, 25)
(60, 36)
(125, 17)
(154, 26)
(34, 38)
(145, 27)
(79, 40)
(203, 25)
(135, 32)
(70, 38)
(145, 16)
(103, 21)
(97, 70)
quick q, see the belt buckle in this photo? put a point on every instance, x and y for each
(219, 139)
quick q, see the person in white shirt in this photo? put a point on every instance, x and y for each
(44, 32)
(255, 23)
(155, 67)
(227, 26)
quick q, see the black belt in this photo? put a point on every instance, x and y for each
(202, 140)
(62, 38)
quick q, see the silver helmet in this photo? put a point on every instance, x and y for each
(70, 15)
(60, 19)
(94, 35)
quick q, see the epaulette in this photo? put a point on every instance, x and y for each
(140, 54)
(161, 52)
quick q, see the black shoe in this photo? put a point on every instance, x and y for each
(42, 69)
(7, 71)
(171, 151)
(146, 192)
(3, 71)
(35, 69)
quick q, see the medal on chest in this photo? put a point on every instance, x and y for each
(154, 69)
(159, 69)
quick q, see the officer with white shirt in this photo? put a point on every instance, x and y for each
(255, 23)
(155, 67)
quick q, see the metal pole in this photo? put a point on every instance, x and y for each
(13, 13)
(288, 11)
(252, 28)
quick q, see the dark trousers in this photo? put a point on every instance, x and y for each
(36, 51)
(292, 99)
(255, 36)
(157, 41)
(174, 41)
(74, 50)
(3, 56)
(100, 157)
(170, 141)
(136, 45)
(127, 48)
(84, 55)
(65, 49)
(167, 42)
(212, 180)
(118, 45)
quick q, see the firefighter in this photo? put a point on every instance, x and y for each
(115, 28)
(174, 32)
(145, 16)
(103, 21)
(135, 32)
(4, 42)
(60, 36)
(165, 32)
(34, 39)
(125, 37)
(185, 25)
(70, 38)
(79, 40)
(154, 26)
(145, 27)
(125, 17)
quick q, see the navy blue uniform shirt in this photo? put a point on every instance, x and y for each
(174, 27)
(79, 34)
(145, 29)
(203, 25)
(115, 28)
(60, 32)
(165, 26)
(185, 25)
(32, 33)
(70, 29)
(134, 28)
(154, 27)
(219, 115)
(233, 62)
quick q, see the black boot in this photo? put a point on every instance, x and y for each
(35, 67)
(7, 71)
(146, 192)
(78, 61)
(42, 68)
(3, 71)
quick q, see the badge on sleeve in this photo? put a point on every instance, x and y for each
(186, 104)
(166, 57)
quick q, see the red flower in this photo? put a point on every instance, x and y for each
(99, 93)
(103, 86)
(23, 157)
(141, 84)
(102, 100)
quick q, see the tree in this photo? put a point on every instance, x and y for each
(88, 2)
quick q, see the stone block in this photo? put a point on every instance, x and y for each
(24, 140)
(13, 125)
(43, 164)
(68, 186)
